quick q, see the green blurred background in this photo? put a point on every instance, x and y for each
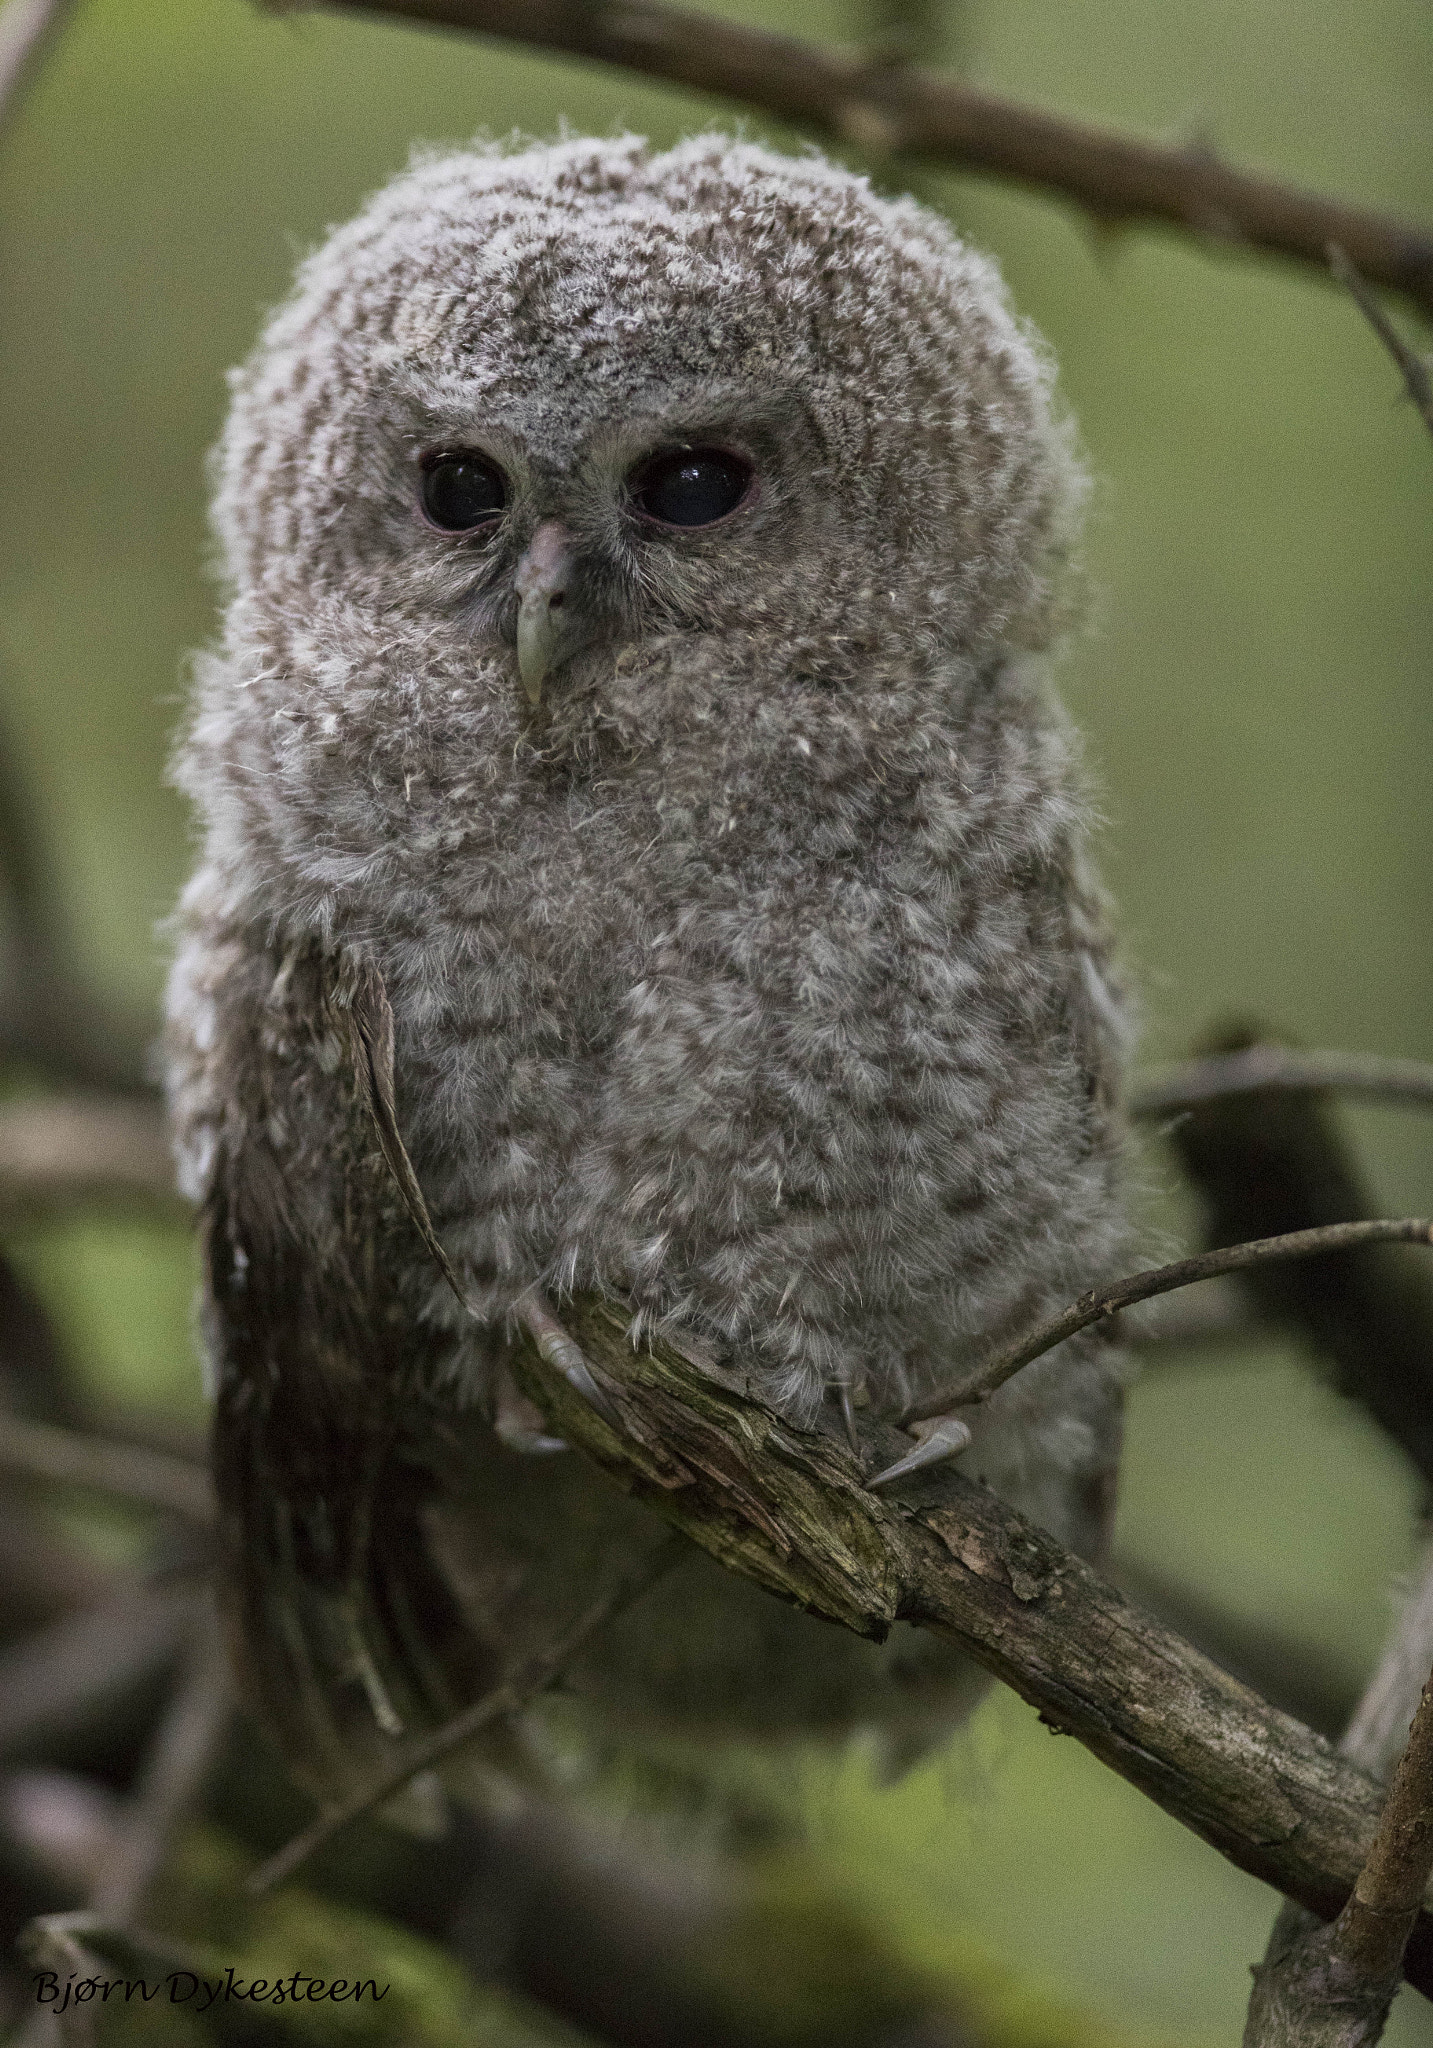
(1254, 686)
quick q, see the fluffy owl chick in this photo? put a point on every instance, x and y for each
(640, 568)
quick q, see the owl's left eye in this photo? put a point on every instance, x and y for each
(691, 486)
(461, 490)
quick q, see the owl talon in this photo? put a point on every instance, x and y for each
(944, 1436)
(848, 1417)
(518, 1423)
(558, 1349)
(531, 1443)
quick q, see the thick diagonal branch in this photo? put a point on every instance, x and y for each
(892, 108)
(788, 1508)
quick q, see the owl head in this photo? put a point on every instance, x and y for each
(584, 447)
(553, 403)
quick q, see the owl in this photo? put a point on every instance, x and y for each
(631, 731)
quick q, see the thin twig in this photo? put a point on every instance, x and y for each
(1416, 379)
(152, 1479)
(1260, 1067)
(918, 113)
(26, 26)
(184, 1747)
(1102, 1302)
(533, 1677)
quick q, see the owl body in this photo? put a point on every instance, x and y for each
(748, 968)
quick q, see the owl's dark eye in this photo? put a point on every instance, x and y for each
(461, 490)
(691, 486)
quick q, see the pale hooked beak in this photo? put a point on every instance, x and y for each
(544, 583)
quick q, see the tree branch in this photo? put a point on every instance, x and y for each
(152, 1479)
(788, 1508)
(540, 1671)
(26, 26)
(70, 1152)
(1416, 380)
(1330, 1987)
(1100, 1303)
(921, 114)
(185, 1745)
(1273, 1159)
(1265, 1068)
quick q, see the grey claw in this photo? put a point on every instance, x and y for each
(944, 1436)
(578, 1374)
(559, 1350)
(531, 1442)
(848, 1416)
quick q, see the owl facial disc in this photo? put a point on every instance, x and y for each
(543, 583)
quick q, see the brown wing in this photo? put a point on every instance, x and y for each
(345, 1632)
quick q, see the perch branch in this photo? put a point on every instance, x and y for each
(788, 1508)
(1100, 1303)
(898, 109)
(534, 1677)
(1264, 1068)
(1414, 370)
(152, 1479)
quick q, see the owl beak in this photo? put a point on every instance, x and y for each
(543, 583)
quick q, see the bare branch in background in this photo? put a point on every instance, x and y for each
(66, 1678)
(129, 1472)
(1266, 1160)
(897, 110)
(80, 1152)
(1267, 1069)
(535, 1676)
(1100, 1303)
(185, 1746)
(1416, 378)
(26, 27)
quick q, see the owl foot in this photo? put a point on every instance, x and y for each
(848, 1417)
(942, 1437)
(558, 1349)
(517, 1422)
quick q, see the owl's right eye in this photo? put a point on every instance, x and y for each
(461, 490)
